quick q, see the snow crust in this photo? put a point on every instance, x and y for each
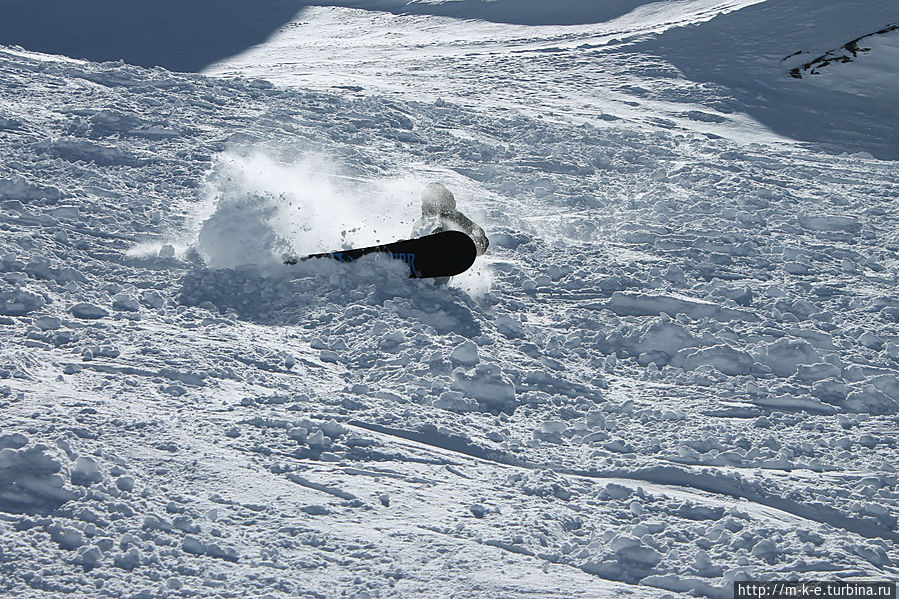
(676, 367)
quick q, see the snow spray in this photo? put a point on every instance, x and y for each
(260, 208)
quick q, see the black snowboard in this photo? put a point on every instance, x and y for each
(442, 254)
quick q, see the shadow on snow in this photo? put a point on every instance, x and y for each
(329, 296)
(176, 34)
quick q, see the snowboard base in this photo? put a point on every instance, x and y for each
(442, 254)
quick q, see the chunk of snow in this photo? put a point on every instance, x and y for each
(870, 340)
(29, 482)
(47, 323)
(88, 311)
(785, 355)
(487, 385)
(817, 372)
(152, 299)
(86, 471)
(125, 302)
(19, 302)
(455, 401)
(723, 358)
(465, 354)
(848, 224)
(665, 336)
(510, 327)
(870, 399)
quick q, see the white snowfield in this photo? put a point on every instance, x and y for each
(676, 366)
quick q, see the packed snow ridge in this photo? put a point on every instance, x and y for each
(676, 366)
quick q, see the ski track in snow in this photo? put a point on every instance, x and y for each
(676, 366)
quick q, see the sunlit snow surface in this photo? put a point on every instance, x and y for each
(676, 366)
(577, 72)
(699, 65)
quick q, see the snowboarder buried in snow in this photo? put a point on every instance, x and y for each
(438, 213)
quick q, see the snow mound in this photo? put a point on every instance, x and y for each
(16, 301)
(30, 479)
(488, 386)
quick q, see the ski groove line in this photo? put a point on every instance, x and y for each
(662, 475)
(720, 485)
(543, 557)
(335, 491)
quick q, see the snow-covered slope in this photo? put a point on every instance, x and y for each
(575, 73)
(765, 55)
(524, 12)
(722, 68)
(676, 366)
